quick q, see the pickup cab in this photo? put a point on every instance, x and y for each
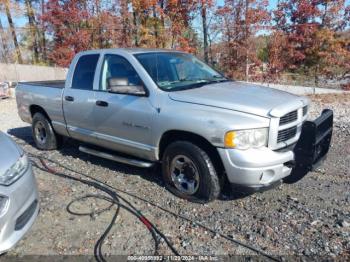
(147, 106)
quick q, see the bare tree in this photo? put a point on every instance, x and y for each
(13, 32)
(42, 33)
(33, 28)
(4, 49)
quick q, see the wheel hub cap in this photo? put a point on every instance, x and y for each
(184, 175)
(40, 132)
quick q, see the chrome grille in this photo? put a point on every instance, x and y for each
(286, 130)
(286, 134)
(288, 118)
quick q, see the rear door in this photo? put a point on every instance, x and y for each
(79, 100)
(123, 122)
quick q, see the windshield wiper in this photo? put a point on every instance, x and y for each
(199, 83)
(213, 81)
(218, 81)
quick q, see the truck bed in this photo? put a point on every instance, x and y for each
(51, 83)
(44, 94)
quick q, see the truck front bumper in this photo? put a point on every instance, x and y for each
(262, 168)
(256, 168)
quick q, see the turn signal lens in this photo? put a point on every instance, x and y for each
(229, 139)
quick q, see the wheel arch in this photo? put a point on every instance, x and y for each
(179, 135)
(33, 109)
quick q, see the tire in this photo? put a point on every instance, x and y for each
(44, 136)
(194, 162)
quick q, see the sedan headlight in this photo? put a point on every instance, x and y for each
(245, 139)
(15, 171)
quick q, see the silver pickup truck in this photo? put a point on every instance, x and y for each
(148, 106)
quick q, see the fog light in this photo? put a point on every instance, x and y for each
(267, 176)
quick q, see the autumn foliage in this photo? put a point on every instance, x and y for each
(309, 38)
(241, 20)
(245, 39)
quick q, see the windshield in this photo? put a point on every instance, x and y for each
(174, 71)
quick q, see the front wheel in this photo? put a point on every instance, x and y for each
(189, 173)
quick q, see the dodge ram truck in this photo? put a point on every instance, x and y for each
(147, 106)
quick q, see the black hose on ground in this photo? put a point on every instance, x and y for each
(114, 190)
(114, 199)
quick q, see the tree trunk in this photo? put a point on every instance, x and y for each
(323, 23)
(33, 29)
(246, 41)
(99, 24)
(155, 23)
(162, 24)
(43, 38)
(13, 32)
(210, 51)
(136, 39)
(4, 50)
(316, 78)
(125, 22)
(205, 32)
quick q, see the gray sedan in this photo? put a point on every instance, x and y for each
(18, 193)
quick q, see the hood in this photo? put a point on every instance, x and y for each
(243, 97)
(9, 152)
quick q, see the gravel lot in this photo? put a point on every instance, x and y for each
(310, 217)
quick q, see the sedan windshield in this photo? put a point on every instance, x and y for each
(173, 71)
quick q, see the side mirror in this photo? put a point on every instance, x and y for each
(121, 86)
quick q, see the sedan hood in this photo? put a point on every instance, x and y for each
(9, 152)
(237, 96)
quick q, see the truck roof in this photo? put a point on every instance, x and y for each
(132, 50)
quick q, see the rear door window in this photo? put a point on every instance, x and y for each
(84, 72)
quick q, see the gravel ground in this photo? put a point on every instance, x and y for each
(310, 217)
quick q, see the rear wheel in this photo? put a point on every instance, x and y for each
(189, 172)
(44, 136)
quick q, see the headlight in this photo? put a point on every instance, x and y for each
(245, 139)
(15, 171)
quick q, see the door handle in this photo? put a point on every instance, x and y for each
(69, 98)
(101, 103)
